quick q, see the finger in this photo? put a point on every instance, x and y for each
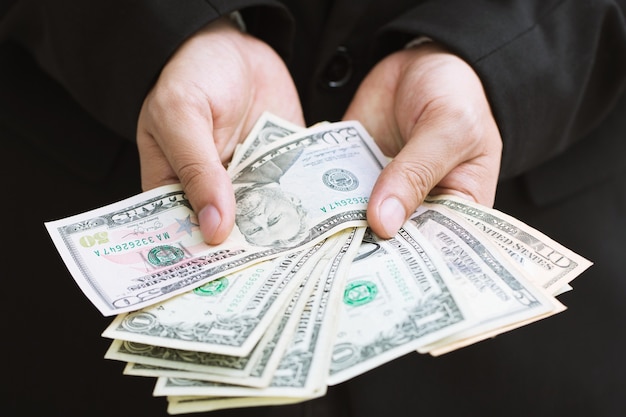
(476, 179)
(399, 190)
(373, 105)
(444, 152)
(155, 168)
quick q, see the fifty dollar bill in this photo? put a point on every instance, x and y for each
(148, 248)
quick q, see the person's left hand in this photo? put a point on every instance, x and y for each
(427, 108)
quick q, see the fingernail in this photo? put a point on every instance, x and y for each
(392, 215)
(210, 220)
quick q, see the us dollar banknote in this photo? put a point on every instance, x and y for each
(255, 370)
(498, 292)
(437, 285)
(301, 295)
(192, 404)
(251, 370)
(398, 297)
(303, 369)
(290, 195)
(227, 315)
(543, 260)
(268, 129)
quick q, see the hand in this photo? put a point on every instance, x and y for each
(427, 108)
(206, 99)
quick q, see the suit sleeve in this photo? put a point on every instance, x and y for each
(552, 69)
(109, 54)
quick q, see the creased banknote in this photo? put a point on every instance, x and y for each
(291, 194)
(302, 295)
(398, 297)
(255, 370)
(227, 316)
(498, 292)
(251, 370)
(543, 260)
(184, 405)
(267, 130)
(303, 370)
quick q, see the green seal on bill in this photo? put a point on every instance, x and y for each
(165, 255)
(359, 292)
(212, 288)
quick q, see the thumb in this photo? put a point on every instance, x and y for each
(186, 153)
(431, 153)
(207, 186)
(444, 155)
(209, 190)
(399, 190)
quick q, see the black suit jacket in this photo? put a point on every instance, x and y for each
(553, 70)
(73, 75)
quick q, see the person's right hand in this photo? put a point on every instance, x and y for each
(427, 108)
(206, 99)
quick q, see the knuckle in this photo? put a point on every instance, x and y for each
(419, 178)
(190, 174)
(461, 123)
(174, 98)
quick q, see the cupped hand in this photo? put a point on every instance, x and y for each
(427, 108)
(207, 97)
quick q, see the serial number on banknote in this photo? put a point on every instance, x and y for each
(102, 239)
(343, 203)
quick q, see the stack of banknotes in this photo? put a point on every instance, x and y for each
(302, 295)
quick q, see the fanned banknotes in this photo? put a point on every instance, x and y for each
(311, 297)
(147, 248)
(546, 262)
